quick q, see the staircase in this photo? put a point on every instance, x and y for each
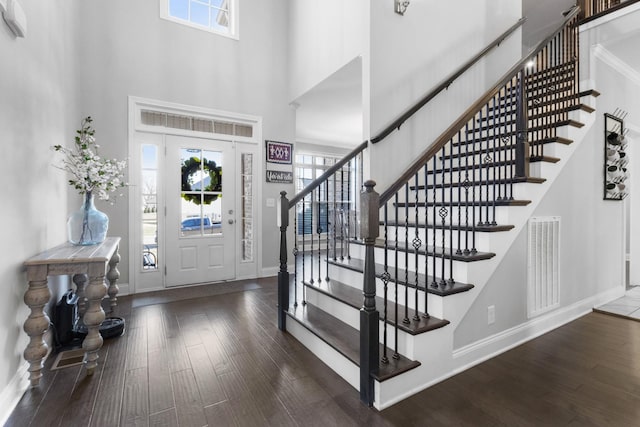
(426, 246)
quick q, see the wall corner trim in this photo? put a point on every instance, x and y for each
(12, 393)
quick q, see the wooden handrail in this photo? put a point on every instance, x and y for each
(445, 83)
(410, 112)
(452, 130)
(333, 169)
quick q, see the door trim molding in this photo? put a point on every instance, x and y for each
(135, 105)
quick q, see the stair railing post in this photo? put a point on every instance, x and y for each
(369, 316)
(283, 274)
(522, 142)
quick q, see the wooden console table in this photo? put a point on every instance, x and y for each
(85, 263)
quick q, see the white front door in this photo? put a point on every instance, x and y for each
(200, 221)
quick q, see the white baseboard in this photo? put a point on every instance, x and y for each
(13, 392)
(487, 348)
(475, 353)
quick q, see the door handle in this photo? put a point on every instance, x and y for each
(230, 221)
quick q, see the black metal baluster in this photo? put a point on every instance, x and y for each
(319, 230)
(385, 281)
(443, 212)
(335, 218)
(304, 250)
(466, 184)
(434, 222)
(490, 132)
(295, 261)
(326, 215)
(459, 250)
(426, 241)
(451, 202)
(406, 254)
(476, 137)
(396, 355)
(311, 198)
(416, 247)
(349, 208)
(342, 225)
(481, 130)
(496, 161)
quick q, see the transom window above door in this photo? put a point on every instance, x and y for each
(216, 16)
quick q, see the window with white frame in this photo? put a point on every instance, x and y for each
(216, 16)
(318, 211)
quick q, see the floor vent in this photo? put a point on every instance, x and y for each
(543, 293)
(68, 358)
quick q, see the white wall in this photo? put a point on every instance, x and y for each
(324, 35)
(411, 54)
(126, 49)
(38, 109)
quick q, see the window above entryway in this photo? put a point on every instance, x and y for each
(216, 16)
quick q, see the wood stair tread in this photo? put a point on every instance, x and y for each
(465, 204)
(345, 339)
(444, 288)
(353, 297)
(407, 247)
(480, 228)
(515, 180)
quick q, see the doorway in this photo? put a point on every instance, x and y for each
(200, 219)
(192, 208)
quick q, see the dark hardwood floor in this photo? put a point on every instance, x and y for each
(213, 356)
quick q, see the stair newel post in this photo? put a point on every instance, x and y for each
(283, 274)
(522, 145)
(369, 316)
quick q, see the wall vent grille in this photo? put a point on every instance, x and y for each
(543, 290)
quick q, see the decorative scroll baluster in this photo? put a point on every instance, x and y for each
(434, 222)
(406, 254)
(416, 248)
(443, 212)
(385, 280)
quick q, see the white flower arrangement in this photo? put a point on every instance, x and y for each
(90, 173)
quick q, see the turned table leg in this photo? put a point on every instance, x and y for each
(113, 275)
(38, 322)
(93, 316)
(80, 281)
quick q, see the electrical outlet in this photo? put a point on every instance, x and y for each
(491, 314)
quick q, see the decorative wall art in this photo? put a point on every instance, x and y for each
(616, 159)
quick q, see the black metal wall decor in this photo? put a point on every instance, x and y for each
(615, 156)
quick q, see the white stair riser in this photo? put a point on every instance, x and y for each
(351, 316)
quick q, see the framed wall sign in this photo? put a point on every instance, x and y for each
(279, 152)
